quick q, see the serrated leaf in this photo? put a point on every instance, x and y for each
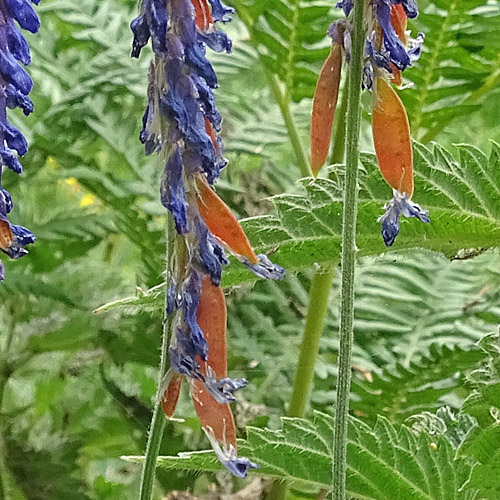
(384, 462)
(400, 392)
(459, 63)
(290, 38)
(483, 441)
(461, 196)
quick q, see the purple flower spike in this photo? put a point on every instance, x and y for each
(182, 124)
(15, 85)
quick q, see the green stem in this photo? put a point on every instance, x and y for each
(321, 285)
(158, 420)
(348, 257)
(284, 105)
(282, 98)
(319, 292)
(339, 129)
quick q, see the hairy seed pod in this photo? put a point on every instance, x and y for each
(324, 105)
(209, 129)
(399, 21)
(172, 392)
(215, 418)
(222, 223)
(203, 19)
(391, 135)
(5, 235)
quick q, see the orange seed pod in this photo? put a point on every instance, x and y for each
(324, 105)
(209, 129)
(399, 21)
(5, 235)
(222, 223)
(203, 14)
(391, 135)
(172, 392)
(217, 419)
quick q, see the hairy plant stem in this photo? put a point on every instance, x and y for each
(319, 293)
(158, 420)
(321, 285)
(348, 258)
(339, 128)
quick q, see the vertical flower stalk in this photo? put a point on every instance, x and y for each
(15, 86)
(182, 124)
(375, 42)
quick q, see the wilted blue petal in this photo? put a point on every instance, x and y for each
(228, 457)
(195, 57)
(9, 159)
(222, 390)
(11, 72)
(16, 99)
(217, 41)
(240, 466)
(265, 268)
(337, 31)
(24, 14)
(190, 302)
(14, 138)
(381, 59)
(398, 55)
(367, 76)
(21, 238)
(183, 364)
(140, 29)
(17, 44)
(415, 48)
(221, 12)
(410, 7)
(155, 12)
(346, 6)
(206, 100)
(210, 253)
(6, 204)
(173, 192)
(2, 271)
(399, 205)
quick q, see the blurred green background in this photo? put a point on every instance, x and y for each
(76, 388)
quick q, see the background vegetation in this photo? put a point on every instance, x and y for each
(76, 388)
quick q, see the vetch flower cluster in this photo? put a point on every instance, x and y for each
(15, 85)
(388, 51)
(182, 124)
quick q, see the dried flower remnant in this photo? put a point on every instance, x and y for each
(388, 52)
(15, 85)
(182, 124)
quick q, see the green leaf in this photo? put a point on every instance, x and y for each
(483, 441)
(290, 38)
(458, 68)
(384, 462)
(461, 196)
(27, 285)
(400, 392)
(76, 334)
